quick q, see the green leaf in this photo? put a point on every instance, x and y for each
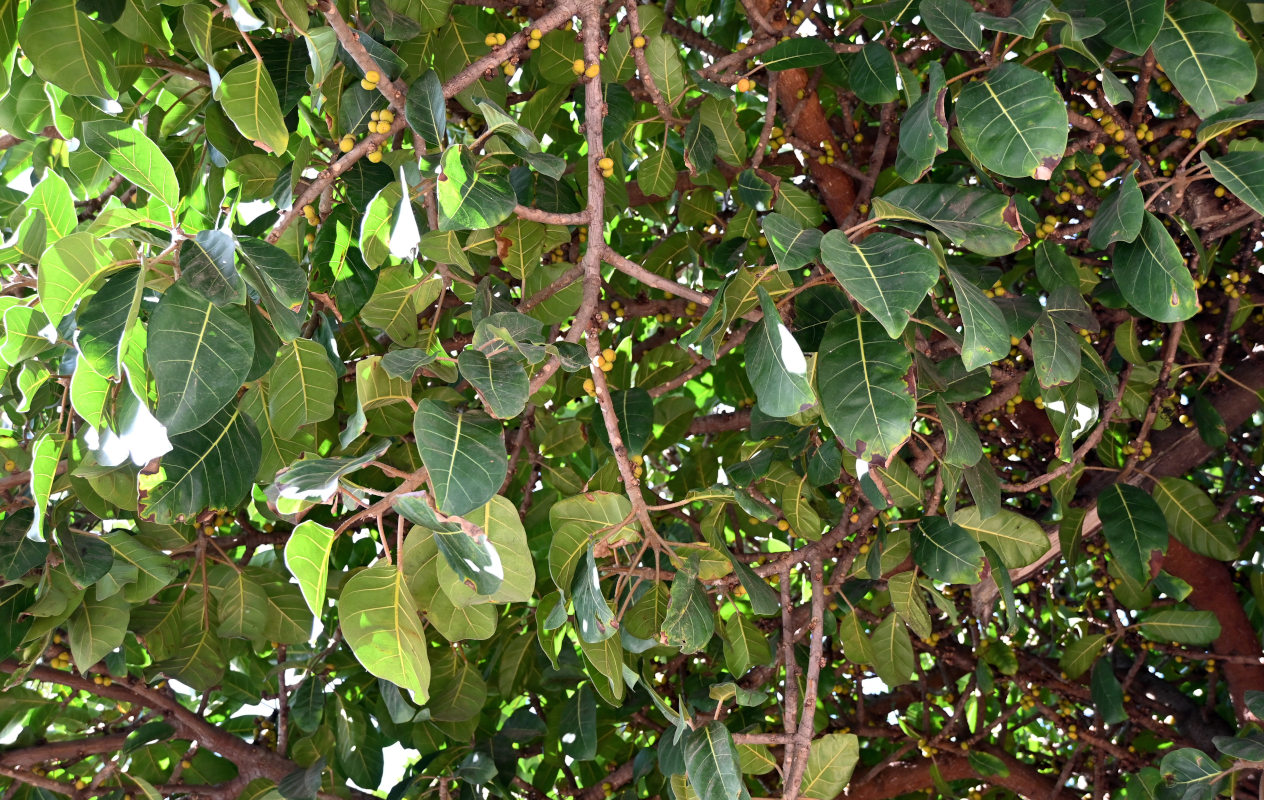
(249, 98)
(594, 621)
(792, 246)
(1242, 173)
(87, 558)
(1153, 276)
(887, 274)
(1134, 528)
(464, 454)
(199, 355)
(946, 551)
(689, 621)
(977, 219)
(208, 266)
(1228, 118)
(1180, 626)
(744, 645)
(1131, 25)
(579, 725)
(301, 387)
(906, 597)
(1024, 18)
(307, 557)
(1121, 214)
(712, 765)
(1207, 61)
(892, 652)
(426, 109)
(52, 198)
(382, 626)
(1018, 540)
(500, 381)
(873, 75)
(66, 269)
(96, 628)
(243, 604)
(469, 199)
(831, 761)
(317, 478)
(986, 333)
(135, 157)
(860, 379)
(67, 49)
(924, 129)
(656, 174)
(663, 56)
(962, 446)
(1055, 351)
(803, 53)
(1191, 518)
(986, 764)
(953, 23)
(213, 466)
(154, 570)
(1014, 121)
(1080, 654)
(776, 366)
(1108, 694)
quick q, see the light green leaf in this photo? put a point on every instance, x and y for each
(689, 621)
(1080, 654)
(499, 519)
(1018, 540)
(66, 269)
(860, 380)
(775, 365)
(887, 274)
(906, 597)
(1207, 61)
(469, 199)
(744, 645)
(68, 49)
(1181, 626)
(53, 199)
(250, 100)
(1228, 118)
(135, 157)
(464, 454)
(307, 556)
(656, 174)
(1134, 528)
(1014, 121)
(1153, 276)
(382, 626)
(892, 652)
(199, 355)
(301, 387)
(96, 628)
(243, 604)
(663, 56)
(579, 520)
(831, 761)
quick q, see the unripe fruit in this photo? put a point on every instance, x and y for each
(638, 42)
(593, 70)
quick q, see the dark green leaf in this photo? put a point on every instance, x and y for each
(860, 378)
(464, 454)
(887, 274)
(1152, 274)
(1134, 528)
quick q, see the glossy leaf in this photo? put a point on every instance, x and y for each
(1134, 528)
(887, 274)
(1242, 173)
(1203, 56)
(464, 453)
(860, 379)
(1152, 274)
(381, 624)
(307, 557)
(776, 366)
(1015, 122)
(135, 157)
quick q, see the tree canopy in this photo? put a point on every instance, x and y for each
(695, 400)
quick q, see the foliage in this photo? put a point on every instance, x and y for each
(700, 400)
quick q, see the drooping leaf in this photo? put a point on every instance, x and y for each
(946, 551)
(860, 379)
(199, 355)
(976, 219)
(66, 269)
(831, 761)
(469, 198)
(924, 129)
(307, 557)
(382, 626)
(1134, 528)
(1121, 214)
(464, 454)
(953, 23)
(712, 765)
(887, 274)
(249, 98)
(792, 246)
(1152, 274)
(776, 366)
(1242, 173)
(301, 387)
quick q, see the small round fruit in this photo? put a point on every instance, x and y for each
(577, 66)
(346, 143)
(609, 355)
(372, 76)
(533, 44)
(368, 86)
(638, 42)
(606, 163)
(537, 34)
(375, 156)
(593, 70)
